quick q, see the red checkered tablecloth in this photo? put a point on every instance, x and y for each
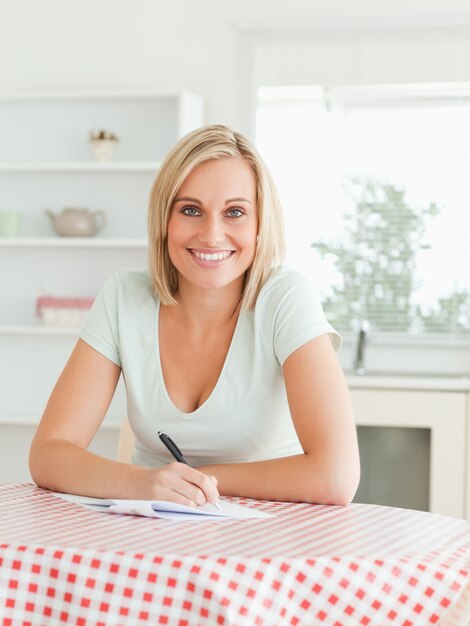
(307, 565)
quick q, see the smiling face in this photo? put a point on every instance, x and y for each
(213, 224)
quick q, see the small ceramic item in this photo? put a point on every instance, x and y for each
(9, 223)
(62, 311)
(77, 222)
(103, 144)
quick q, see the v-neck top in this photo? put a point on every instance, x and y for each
(246, 417)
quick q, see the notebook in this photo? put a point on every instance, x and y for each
(166, 510)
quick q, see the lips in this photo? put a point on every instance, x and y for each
(219, 255)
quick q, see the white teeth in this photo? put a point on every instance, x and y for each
(216, 256)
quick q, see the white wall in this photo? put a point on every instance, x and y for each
(150, 44)
(81, 45)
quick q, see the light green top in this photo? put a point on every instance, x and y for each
(246, 417)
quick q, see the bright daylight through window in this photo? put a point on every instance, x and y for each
(374, 187)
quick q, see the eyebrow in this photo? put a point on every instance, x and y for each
(196, 201)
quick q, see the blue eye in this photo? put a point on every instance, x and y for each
(190, 210)
(235, 212)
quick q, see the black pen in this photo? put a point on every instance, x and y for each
(175, 452)
(171, 446)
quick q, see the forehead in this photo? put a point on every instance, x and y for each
(229, 177)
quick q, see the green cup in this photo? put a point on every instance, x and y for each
(9, 223)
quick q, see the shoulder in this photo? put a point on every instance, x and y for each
(285, 284)
(126, 290)
(129, 283)
(289, 309)
(133, 278)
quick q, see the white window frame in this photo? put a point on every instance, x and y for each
(388, 350)
(396, 49)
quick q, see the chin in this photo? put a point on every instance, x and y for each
(216, 282)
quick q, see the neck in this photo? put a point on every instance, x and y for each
(205, 309)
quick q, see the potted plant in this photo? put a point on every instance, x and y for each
(103, 143)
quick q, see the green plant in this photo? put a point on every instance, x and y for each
(376, 257)
(451, 314)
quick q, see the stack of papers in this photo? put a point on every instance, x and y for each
(165, 510)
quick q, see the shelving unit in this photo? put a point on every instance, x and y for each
(79, 166)
(69, 331)
(72, 242)
(46, 163)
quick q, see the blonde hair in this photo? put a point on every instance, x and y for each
(203, 144)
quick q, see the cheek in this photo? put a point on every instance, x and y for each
(177, 232)
(249, 237)
(246, 232)
(175, 240)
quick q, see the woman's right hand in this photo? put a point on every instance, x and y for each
(180, 483)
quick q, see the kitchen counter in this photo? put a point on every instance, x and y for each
(424, 381)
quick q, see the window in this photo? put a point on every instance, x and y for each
(373, 182)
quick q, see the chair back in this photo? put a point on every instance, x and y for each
(126, 442)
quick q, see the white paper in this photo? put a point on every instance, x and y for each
(164, 509)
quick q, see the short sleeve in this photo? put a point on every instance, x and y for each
(101, 330)
(298, 314)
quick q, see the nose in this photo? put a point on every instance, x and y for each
(212, 232)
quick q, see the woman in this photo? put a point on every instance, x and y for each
(220, 347)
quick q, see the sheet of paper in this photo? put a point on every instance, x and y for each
(164, 509)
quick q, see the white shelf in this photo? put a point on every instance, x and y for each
(71, 242)
(95, 95)
(7, 420)
(10, 329)
(81, 166)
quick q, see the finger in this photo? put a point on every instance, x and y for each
(190, 491)
(174, 496)
(214, 480)
(206, 488)
(169, 484)
(187, 481)
(206, 484)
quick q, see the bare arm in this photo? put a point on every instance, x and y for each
(328, 471)
(58, 457)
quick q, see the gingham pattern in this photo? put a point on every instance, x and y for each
(334, 566)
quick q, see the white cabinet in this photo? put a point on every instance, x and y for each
(46, 162)
(414, 447)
